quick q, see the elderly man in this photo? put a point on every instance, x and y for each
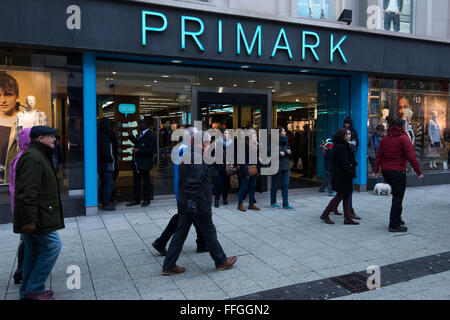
(38, 212)
(195, 206)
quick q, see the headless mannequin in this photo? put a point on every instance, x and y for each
(31, 116)
(383, 120)
(434, 133)
(322, 9)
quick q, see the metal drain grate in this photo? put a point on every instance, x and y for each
(353, 282)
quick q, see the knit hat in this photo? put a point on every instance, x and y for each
(348, 120)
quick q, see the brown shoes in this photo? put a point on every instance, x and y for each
(337, 213)
(350, 221)
(177, 270)
(228, 264)
(353, 215)
(326, 218)
(253, 207)
(241, 208)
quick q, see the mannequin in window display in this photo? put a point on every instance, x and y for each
(434, 134)
(383, 120)
(405, 113)
(31, 116)
(322, 9)
(392, 10)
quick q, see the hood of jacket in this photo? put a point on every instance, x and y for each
(24, 139)
(395, 131)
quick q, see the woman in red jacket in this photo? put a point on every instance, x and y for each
(394, 152)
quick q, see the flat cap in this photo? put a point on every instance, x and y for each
(37, 131)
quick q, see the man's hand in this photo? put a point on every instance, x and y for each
(282, 153)
(385, 11)
(29, 228)
(420, 177)
(397, 12)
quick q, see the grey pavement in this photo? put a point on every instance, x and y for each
(275, 248)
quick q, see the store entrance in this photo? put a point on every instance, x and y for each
(227, 108)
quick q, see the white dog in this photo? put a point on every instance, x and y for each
(382, 188)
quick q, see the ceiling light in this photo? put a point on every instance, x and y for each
(296, 100)
(165, 76)
(155, 81)
(234, 85)
(177, 61)
(147, 85)
(251, 81)
(245, 67)
(114, 72)
(289, 82)
(210, 78)
(109, 79)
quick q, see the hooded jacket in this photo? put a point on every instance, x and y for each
(394, 152)
(24, 142)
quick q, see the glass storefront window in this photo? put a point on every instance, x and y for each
(314, 9)
(424, 105)
(172, 97)
(42, 89)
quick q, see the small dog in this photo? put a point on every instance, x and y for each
(382, 188)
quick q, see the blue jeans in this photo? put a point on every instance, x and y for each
(107, 186)
(250, 184)
(41, 252)
(283, 177)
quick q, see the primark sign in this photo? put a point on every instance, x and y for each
(247, 40)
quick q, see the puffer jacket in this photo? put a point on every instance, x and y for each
(36, 193)
(24, 142)
(394, 152)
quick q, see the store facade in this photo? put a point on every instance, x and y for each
(174, 66)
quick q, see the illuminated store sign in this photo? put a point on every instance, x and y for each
(192, 29)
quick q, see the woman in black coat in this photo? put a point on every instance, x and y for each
(343, 173)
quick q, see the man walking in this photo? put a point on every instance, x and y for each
(195, 206)
(38, 212)
(144, 149)
(394, 152)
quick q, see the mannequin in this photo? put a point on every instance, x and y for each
(405, 112)
(31, 116)
(322, 9)
(392, 10)
(383, 120)
(434, 134)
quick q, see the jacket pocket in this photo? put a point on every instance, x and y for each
(47, 214)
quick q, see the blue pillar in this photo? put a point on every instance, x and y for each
(90, 133)
(359, 90)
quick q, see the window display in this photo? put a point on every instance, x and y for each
(314, 8)
(424, 105)
(40, 89)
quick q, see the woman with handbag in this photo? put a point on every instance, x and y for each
(248, 173)
(223, 170)
(283, 173)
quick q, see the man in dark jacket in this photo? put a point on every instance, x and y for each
(394, 152)
(38, 212)
(107, 161)
(195, 206)
(144, 149)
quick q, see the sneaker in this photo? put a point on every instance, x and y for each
(177, 270)
(398, 229)
(38, 296)
(274, 205)
(228, 264)
(158, 247)
(289, 208)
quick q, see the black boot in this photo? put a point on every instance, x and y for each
(216, 203)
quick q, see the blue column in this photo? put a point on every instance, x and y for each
(359, 90)
(90, 133)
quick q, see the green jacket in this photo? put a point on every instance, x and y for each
(36, 196)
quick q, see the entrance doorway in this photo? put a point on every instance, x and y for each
(228, 108)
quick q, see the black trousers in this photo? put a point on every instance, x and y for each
(397, 181)
(222, 186)
(208, 231)
(139, 176)
(170, 230)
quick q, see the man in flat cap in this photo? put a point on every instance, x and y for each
(38, 212)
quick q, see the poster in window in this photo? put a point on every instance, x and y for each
(25, 101)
